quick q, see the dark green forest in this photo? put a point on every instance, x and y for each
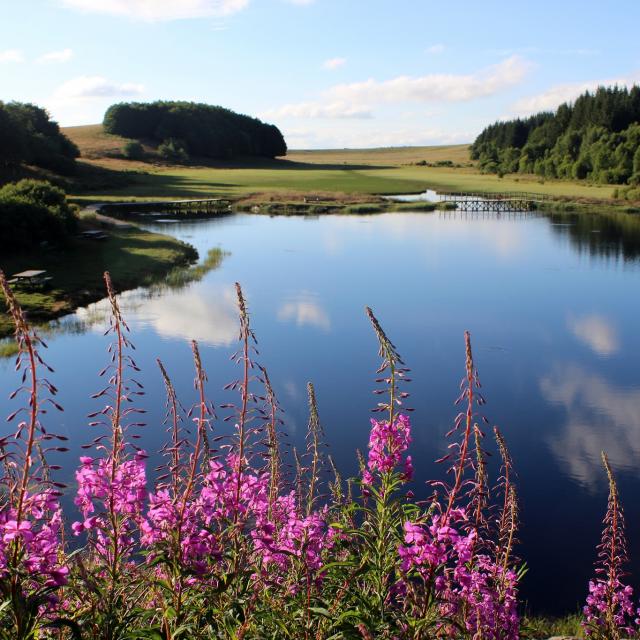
(29, 136)
(183, 129)
(596, 138)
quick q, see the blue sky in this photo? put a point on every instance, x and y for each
(329, 73)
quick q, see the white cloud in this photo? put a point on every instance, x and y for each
(435, 48)
(64, 55)
(88, 87)
(552, 98)
(355, 100)
(305, 310)
(437, 86)
(333, 63)
(11, 55)
(596, 332)
(83, 100)
(156, 10)
(318, 110)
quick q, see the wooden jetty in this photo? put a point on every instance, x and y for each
(493, 202)
(179, 208)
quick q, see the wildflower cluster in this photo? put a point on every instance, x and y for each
(229, 543)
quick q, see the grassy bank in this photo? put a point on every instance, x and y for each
(540, 628)
(133, 256)
(271, 206)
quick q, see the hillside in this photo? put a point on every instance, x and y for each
(94, 143)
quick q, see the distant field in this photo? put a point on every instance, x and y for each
(458, 154)
(348, 171)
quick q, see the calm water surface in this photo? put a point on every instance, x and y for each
(551, 302)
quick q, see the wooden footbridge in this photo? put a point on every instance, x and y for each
(178, 208)
(493, 202)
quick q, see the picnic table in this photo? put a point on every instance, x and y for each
(31, 277)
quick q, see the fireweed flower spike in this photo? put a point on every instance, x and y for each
(32, 564)
(609, 612)
(449, 574)
(111, 489)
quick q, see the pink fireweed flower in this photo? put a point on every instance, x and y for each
(168, 519)
(428, 547)
(481, 595)
(387, 443)
(38, 535)
(614, 598)
(218, 499)
(97, 493)
(287, 534)
(609, 611)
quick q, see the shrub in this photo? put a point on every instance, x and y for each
(33, 211)
(173, 149)
(133, 150)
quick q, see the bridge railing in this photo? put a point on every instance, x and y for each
(527, 196)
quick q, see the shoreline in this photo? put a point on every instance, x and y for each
(134, 257)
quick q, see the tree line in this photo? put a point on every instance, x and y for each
(597, 137)
(29, 136)
(183, 129)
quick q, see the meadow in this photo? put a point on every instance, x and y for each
(352, 172)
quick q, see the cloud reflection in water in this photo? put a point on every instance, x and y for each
(600, 417)
(305, 309)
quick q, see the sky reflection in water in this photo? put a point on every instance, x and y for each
(550, 303)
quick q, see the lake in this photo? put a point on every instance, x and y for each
(551, 303)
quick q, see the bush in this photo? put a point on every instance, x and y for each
(133, 150)
(33, 211)
(174, 150)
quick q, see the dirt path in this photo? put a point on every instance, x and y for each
(106, 220)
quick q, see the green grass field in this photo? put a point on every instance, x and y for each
(351, 171)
